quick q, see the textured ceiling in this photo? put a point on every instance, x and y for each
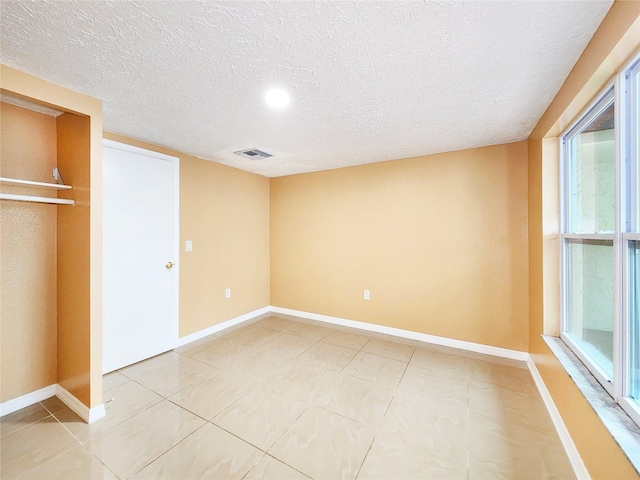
(369, 81)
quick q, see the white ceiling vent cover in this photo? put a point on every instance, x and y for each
(253, 154)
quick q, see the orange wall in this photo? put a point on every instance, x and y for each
(74, 244)
(440, 241)
(615, 41)
(225, 213)
(28, 256)
(79, 339)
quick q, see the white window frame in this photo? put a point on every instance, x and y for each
(629, 118)
(627, 167)
(593, 110)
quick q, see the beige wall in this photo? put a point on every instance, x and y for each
(614, 42)
(440, 241)
(27, 256)
(79, 339)
(225, 213)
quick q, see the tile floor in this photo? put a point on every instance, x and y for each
(285, 398)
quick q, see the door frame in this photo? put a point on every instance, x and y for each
(106, 143)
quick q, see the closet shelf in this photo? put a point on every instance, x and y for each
(29, 183)
(31, 198)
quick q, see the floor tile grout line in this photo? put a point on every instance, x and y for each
(166, 451)
(381, 384)
(45, 407)
(137, 413)
(186, 386)
(308, 405)
(284, 433)
(120, 370)
(69, 431)
(395, 392)
(364, 459)
(284, 463)
(405, 368)
(237, 436)
(231, 405)
(252, 467)
(309, 338)
(383, 356)
(344, 416)
(302, 353)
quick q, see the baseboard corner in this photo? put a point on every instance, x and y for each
(89, 415)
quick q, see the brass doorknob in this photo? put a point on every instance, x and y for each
(169, 265)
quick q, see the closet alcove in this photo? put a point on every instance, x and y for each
(50, 321)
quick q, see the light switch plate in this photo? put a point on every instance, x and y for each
(188, 246)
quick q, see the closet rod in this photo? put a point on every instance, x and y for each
(30, 183)
(31, 198)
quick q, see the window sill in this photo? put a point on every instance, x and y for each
(621, 427)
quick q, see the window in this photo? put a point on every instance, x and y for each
(601, 239)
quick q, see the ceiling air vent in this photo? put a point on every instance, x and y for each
(253, 154)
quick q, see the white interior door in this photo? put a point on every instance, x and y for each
(141, 228)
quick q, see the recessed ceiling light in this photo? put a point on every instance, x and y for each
(277, 98)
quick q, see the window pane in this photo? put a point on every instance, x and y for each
(590, 299)
(592, 176)
(634, 319)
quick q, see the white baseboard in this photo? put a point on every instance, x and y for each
(89, 415)
(570, 448)
(398, 332)
(23, 401)
(221, 326)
